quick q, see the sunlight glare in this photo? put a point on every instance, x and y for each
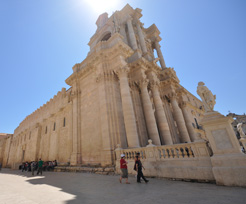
(101, 6)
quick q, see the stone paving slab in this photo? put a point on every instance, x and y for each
(65, 187)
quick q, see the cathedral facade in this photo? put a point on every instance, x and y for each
(122, 95)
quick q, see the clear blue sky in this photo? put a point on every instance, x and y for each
(40, 41)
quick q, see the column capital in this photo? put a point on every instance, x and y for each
(129, 18)
(122, 71)
(143, 83)
(109, 76)
(133, 85)
(154, 84)
(183, 104)
(172, 95)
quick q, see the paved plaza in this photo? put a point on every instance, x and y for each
(63, 187)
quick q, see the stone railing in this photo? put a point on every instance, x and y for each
(176, 151)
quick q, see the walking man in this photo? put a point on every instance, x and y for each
(139, 167)
(40, 166)
(123, 168)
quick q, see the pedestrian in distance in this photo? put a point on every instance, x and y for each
(33, 167)
(23, 167)
(139, 168)
(123, 168)
(40, 166)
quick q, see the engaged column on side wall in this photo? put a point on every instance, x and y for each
(128, 112)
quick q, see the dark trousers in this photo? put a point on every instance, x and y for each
(140, 174)
(40, 169)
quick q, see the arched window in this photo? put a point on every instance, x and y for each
(106, 37)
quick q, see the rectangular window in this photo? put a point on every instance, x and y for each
(54, 126)
(64, 122)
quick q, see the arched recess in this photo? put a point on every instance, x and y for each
(106, 36)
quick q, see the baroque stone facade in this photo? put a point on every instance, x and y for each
(118, 95)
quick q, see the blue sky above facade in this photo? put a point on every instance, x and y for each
(42, 40)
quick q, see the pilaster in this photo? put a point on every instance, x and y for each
(76, 156)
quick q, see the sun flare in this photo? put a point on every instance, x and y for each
(100, 6)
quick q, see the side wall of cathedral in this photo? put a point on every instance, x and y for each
(45, 134)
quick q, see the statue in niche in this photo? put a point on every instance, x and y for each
(116, 24)
(207, 97)
(240, 130)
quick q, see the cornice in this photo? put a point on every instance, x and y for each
(102, 53)
(145, 64)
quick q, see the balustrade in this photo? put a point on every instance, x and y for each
(176, 151)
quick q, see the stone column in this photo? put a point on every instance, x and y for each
(75, 157)
(128, 112)
(160, 115)
(123, 33)
(178, 117)
(141, 38)
(132, 34)
(188, 122)
(149, 113)
(159, 53)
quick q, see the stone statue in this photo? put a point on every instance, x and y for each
(240, 130)
(116, 24)
(207, 97)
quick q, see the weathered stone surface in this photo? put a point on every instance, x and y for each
(109, 169)
(98, 169)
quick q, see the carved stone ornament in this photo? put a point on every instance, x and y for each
(208, 99)
(143, 83)
(154, 84)
(240, 130)
(123, 71)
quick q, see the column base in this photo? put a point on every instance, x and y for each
(107, 157)
(75, 159)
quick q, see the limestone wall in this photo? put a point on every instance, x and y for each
(46, 133)
(5, 144)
